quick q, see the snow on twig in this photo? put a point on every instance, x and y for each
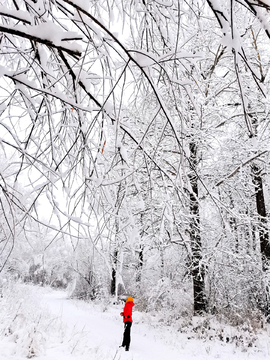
(16, 14)
(48, 34)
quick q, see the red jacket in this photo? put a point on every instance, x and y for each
(127, 313)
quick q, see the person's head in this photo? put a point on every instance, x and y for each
(129, 299)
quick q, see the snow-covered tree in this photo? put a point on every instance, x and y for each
(132, 120)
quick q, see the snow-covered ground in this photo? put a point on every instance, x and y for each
(42, 323)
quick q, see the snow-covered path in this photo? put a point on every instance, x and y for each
(64, 329)
(100, 333)
(103, 332)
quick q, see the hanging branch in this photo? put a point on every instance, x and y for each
(240, 167)
(75, 53)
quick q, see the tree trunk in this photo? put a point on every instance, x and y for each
(115, 268)
(195, 237)
(263, 235)
(113, 278)
(262, 218)
(140, 265)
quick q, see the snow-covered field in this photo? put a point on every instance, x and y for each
(45, 324)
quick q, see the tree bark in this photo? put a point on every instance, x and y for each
(113, 278)
(195, 237)
(140, 265)
(262, 217)
(115, 268)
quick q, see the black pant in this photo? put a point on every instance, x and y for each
(126, 337)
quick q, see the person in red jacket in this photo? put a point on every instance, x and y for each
(127, 319)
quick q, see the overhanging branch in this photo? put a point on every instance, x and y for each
(31, 37)
(240, 167)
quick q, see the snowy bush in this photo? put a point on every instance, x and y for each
(164, 295)
(85, 288)
(210, 328)
(23, 322)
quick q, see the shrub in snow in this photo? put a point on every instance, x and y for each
(19, 321)
(209, 328)
(85, 287)
(37, 275)
(165, 296)
(23, 322)
(45, 271)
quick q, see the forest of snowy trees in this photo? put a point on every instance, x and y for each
(134, 141)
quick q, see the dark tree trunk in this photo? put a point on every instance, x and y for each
(119, 199)
(195, 237)
(233, 225)
(263, 236)
(113, 278)
(140, 265)
(262, 216)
